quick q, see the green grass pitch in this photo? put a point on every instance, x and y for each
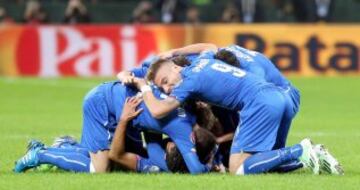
(45, 108)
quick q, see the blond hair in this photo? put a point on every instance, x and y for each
(154, 68)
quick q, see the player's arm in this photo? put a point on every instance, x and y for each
(225, 138)
(117, 151)
(155, 151)
(157, 155)
(126, 77)
(190, 49)
(158, 108)
(186, 148)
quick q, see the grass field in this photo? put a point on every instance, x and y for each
(45, 108)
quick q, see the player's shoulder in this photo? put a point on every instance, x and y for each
(149, 60)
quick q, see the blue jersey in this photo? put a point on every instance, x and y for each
(156, 161)
(217, 83)
(141, 71)
(258, 64)
(177, 125)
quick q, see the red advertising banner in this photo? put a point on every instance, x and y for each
(103, 50)
(51, 51)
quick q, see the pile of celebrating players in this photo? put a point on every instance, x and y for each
(195, 109)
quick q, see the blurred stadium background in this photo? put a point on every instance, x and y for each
(48, 46)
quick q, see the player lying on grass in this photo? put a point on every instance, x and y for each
(101, 111)
(262, 106)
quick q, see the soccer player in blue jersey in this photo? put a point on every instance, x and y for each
(262, 107)
(226, 120)
(102, 109)
(258, 64)
(129, 160)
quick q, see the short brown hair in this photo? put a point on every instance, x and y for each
(227, 57)
(205, 143)
(154, 68)
(181, 61)
(175, 161)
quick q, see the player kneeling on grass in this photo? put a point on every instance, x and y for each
(262, 106)
(259, 65)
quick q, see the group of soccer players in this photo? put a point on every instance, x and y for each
(222, 109)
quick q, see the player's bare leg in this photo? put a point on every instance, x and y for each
(100, 162)
(237, 160)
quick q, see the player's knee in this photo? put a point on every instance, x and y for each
(236, 163)
(99, 162)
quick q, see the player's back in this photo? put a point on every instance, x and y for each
(221, 84)
(259, 64)
(177, 117)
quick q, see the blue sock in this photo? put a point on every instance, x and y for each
(288, 167)
(82, 151)
(72, 161)
(265, 161)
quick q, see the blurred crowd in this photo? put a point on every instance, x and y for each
(184, 11)
(245, 11)
(34, 13)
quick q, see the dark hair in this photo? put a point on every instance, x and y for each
(204, 116)
(205, 144)
(181, 61)
(227, 57)
(175, 161)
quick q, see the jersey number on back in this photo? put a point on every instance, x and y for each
(228, 69)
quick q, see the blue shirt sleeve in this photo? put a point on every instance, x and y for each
(146, 165)
(206, 55)
(157, 155)
(181, 134)
(184, 90)
(141, 71)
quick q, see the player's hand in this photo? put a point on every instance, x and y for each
(166, 54)
(218, 168)
(129, 111)
(139, 82)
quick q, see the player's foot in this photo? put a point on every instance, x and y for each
(328, 163)
(64, 140)
(33, 144)
(28, 161)
(309, 157)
